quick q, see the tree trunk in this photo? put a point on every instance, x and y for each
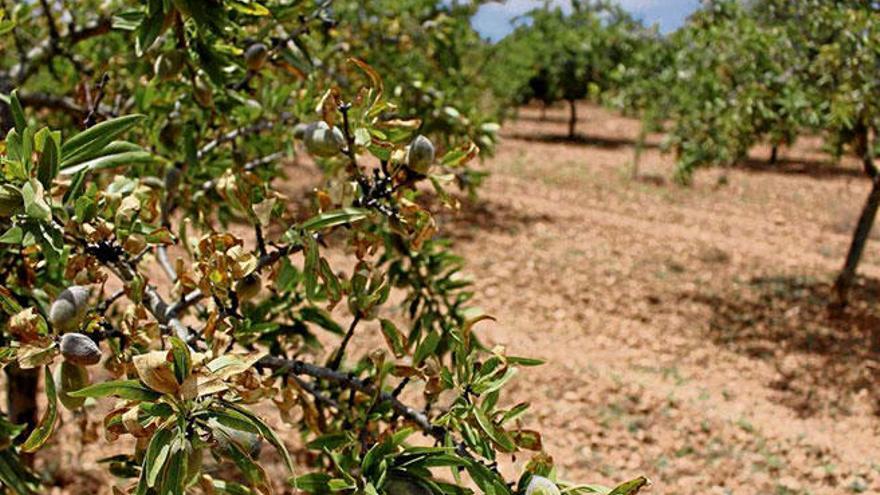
(845, 280)
(860, 237)
(774, 154)
(572, 120)
(21, 400)
(6, 122)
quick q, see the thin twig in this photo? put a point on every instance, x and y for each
(263, 125)
(40, 54)
(248, 167)
(162, 256)
(337, 359)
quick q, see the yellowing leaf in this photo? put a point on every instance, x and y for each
(230, 365)
(154, 370)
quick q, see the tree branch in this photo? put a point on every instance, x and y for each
(248, 167)
(50, 47)
(62, 103)
(263, 125)
(346, 380)
(337, 358)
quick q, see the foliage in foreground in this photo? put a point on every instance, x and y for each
(139, 132)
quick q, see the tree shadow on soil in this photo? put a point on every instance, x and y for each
(822, 357)
(817, 169)
(478, 216)
(549, 119)
(577, 140)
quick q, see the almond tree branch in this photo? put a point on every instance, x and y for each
(165, 262)
(346, 380)
(62, 103)
(262, 125)
(37, 56)
(337, 358)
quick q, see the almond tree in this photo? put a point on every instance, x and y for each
(559, 56)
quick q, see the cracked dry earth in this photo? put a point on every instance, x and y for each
(685, 330)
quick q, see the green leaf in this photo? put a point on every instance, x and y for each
(111, 161)
(35, 205)
(97, 137)
(331, 281)
(47, 168)
(334, 218)
(232, 419)
(393, 337)
(253, 473)
(339, 484)
(182, 360)
(18, 118)
(12, 236)
(8, 302)
(124, 389)
(250, 8)
(15, 475)
(113, 148)
(524, 361)
(6, 26)
(175, 472)
(321, 318)
(154, 458)
(311, 269)
(311, 482)
(73, 191)
(631, 487)
(266, 433)
(157, 463)
(231, 487)
(329, 441)
(46, 426)
(426, 347)
(152, 25)
(499, 437)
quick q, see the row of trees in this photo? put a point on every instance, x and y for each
(769, 71)
(135, 134)
(736, 75)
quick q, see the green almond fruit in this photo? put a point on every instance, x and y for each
(69, 309)
(70, 377)
(420, 155)
(324, 141)
(80, 349)
(404, 486)
(248, 287)
(540, 485)
(255, 56)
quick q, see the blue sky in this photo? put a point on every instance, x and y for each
(493, 19)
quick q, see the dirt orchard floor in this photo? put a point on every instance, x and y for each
(685, 329)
